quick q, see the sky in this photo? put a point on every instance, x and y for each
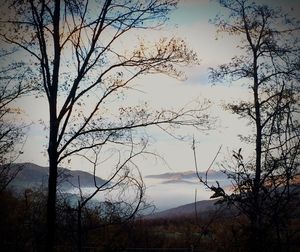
(189, 21)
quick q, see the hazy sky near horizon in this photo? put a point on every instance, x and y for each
(191, 22)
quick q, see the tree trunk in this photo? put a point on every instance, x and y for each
(51, 207)
(256, 220)
(79, 231)
(52, 184)
(53, 136)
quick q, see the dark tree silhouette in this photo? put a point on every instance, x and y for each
(77, 50)
(127, 186)
(12, 87)
(269, 65)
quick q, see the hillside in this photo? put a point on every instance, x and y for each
(207, 207)
(32, 175)
(203, 207)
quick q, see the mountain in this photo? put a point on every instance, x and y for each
(203, 207)
(173, 175)
(32, 175)
(179, 181)
(178, 176)
(206, 207)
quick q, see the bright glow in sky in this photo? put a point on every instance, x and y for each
(191, 22)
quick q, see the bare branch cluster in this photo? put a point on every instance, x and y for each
(12, 87)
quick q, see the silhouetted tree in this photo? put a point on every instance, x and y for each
(12, 87)
(77, 50)
(269, 66)
(126, 186)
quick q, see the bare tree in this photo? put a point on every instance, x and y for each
(269, 66)
(12, 87)
(126, 185)
(77, 50)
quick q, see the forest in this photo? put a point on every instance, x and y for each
(83, 60)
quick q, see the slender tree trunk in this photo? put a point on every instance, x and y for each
(51, 206)
(53, 136)
(52, 182)
(256, 220)
(79, 230)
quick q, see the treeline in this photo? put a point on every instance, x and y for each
(23, 228)
(23, 224)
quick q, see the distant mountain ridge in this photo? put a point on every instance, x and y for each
(32, 175)
(175, 176)
(179, 181)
